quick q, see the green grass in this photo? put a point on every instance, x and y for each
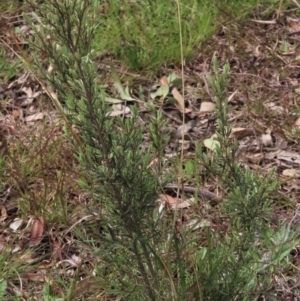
(145, 34)
(8, 68)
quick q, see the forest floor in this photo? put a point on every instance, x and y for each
(264, 111)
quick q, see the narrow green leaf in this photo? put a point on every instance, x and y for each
(3, 286)
(123, 93)
(162, 91)
(190, 168)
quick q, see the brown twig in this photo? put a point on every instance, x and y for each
(201, 192)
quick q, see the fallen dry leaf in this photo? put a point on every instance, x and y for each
(297, 123)
(274, 107)
(288, 156)
(164, 81)
(50, 68)
(230, 98)
(240, 133)
(257, 51)
(3, 213)
(207, 107)
(169, 200)
(254, 158)
(16, 224)
(30, 96)
(174, 204)
(291, 173)
(197, 223)
(267, 140)
(294, 24)
(119, 109)
(37, 276)
(37, 231)
(179, 100)
(184, 204)
(183, 129)
(154, 161)
(34, 117)
(74, 261)
(297, 90)
(57, 248)
(20, 81)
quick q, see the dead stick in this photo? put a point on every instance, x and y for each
(201, 192)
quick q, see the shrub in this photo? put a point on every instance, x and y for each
(142, 255)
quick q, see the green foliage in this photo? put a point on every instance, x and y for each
(7, 7)
(9, 269)
(3, 286)
(152, 38)
(141, 254)
(47, 294)
(7, 69)
(110, 156)
(232, 260)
